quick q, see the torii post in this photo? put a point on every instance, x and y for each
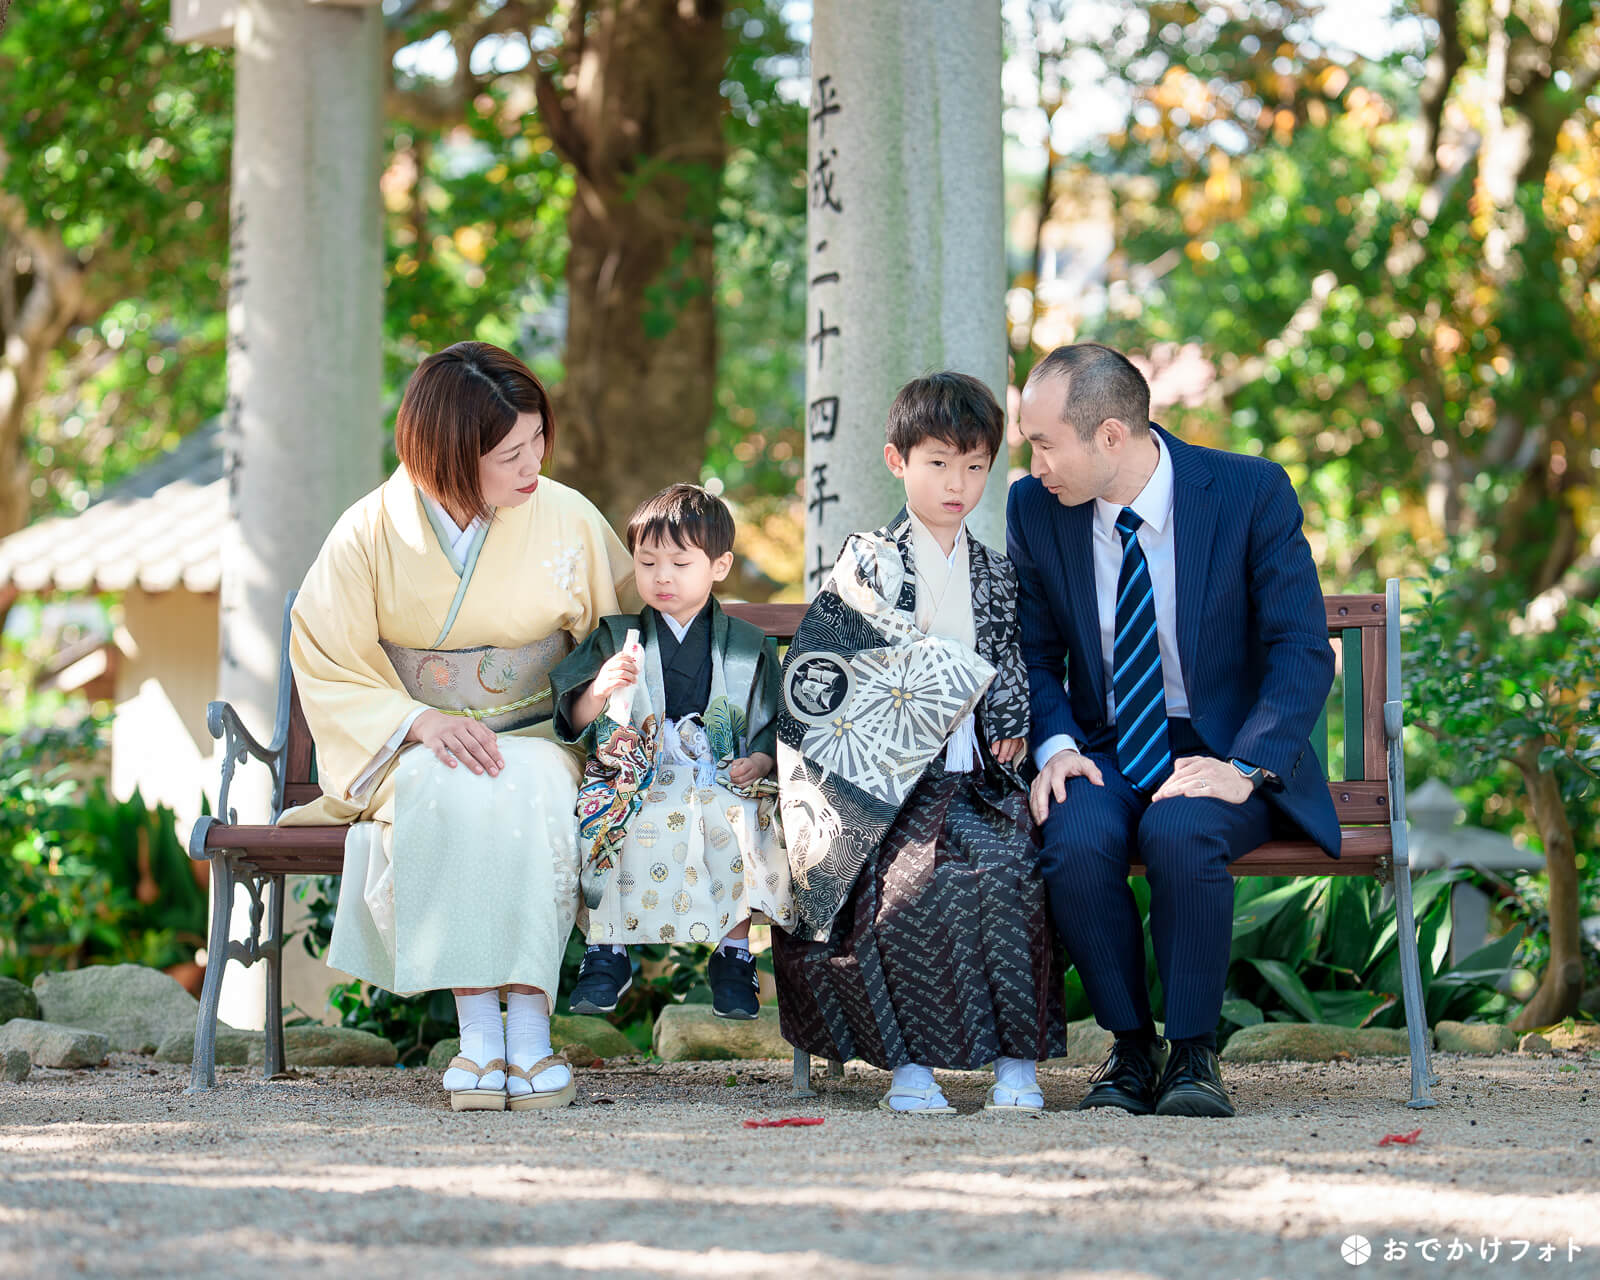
(906, 248)
(303, 429)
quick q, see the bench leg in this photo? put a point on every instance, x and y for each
(272, 954)
(1411, 989)
(203, 1071)
(835, 1070)
(802, 1076)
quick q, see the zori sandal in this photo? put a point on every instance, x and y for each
(924, 1095)
(477, 1099)
(537, 1101)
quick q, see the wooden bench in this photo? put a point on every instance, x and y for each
(1369, 799)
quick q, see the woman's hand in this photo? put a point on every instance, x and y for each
(1007, 749)
(751, 768)
(462, 738)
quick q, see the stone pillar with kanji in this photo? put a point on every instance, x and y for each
(905, 253)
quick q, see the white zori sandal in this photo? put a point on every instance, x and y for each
(922, 1095)
(537, 1101)
(1017, 1102)
(478, 1099)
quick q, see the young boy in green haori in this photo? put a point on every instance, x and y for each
(677, 813)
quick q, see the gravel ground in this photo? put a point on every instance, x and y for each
(346, 1173)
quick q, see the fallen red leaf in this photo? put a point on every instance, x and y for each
(785, 1123)
(1399, 1139)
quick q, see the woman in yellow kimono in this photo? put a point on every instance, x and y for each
(422, 645)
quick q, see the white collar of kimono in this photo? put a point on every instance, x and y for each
(1154, 503)
(679, 629)
(460, 539)
(925, 535)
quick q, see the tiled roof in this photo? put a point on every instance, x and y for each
(158, 530)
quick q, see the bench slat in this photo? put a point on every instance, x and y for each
(320, 850)
(1374, 691)
(1356, 611)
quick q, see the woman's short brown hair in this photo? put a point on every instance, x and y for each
(460, 403)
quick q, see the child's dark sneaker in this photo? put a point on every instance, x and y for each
(603, 977)
(734, 984)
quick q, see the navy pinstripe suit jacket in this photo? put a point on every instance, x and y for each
(1252, 629)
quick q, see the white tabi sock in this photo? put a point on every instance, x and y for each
(528, 1040)
(915, 1076)
(482, 1040)
(1020, 1077)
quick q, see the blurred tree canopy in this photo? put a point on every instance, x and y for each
(645, 273)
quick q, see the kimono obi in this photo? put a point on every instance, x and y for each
(504, 689)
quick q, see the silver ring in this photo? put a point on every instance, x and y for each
(1202, 785)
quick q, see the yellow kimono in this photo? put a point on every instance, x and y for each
(451, 879)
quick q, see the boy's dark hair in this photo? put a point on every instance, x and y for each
(951, 407)
(1101, 383)
(684, 515)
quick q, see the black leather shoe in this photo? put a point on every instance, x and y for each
(735, 985)
(1192, 1084)
(1127, 1078)
(603, 978)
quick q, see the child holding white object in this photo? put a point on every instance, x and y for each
(677, 813)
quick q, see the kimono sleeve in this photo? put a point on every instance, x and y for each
(607, 574)
(351, 696)
(765, 700)
(572, 676)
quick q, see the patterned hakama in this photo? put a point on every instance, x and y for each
(942, 953)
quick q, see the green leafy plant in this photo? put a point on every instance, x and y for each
(1324, 949)
(84, 877)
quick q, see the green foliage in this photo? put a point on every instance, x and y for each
(1324, 949)
(87, 879)
(115, 141)
(1485, 690)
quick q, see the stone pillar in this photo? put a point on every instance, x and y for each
(906, 243)
(303, 431)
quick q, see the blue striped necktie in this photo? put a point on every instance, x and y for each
(1144, 756)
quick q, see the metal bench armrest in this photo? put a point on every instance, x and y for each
(240, 744)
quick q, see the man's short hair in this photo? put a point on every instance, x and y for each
(459, 404)
(954, 408)
(683, 515)
(1101, 383)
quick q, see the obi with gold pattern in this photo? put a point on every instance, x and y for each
(504, 689)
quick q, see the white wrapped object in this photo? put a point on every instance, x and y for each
(620, 705)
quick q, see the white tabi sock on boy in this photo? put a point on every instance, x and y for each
(1017, 1083)
(915, 1078)
(482, 1041)
(528, 1040)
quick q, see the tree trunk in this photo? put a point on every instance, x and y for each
(1562, 985)
(41, 293)
(641, 123)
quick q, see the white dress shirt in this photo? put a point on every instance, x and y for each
(460, 543)
(944, 608)
(1154, 507)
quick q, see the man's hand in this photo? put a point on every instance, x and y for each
(1005, 750)
(1052, 780)
(1205, 778)
(751, 768)
(462, 738)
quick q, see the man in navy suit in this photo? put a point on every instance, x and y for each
(1178, 659)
